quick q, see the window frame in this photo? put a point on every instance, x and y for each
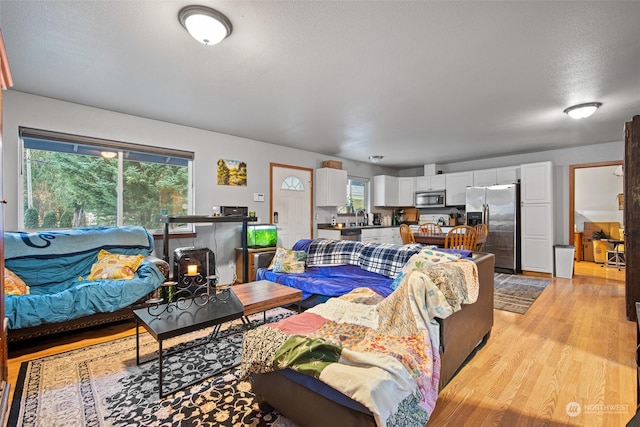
(141, 153)
(345, 210)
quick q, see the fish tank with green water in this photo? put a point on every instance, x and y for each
(262, 236)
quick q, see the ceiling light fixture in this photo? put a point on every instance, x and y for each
(206, 25)
(108, 154)
(582, 111)
(375, 159)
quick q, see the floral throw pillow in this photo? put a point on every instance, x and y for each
(13, 284)
(114, 266)
(289, 261)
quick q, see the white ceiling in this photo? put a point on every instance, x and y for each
(417, 82)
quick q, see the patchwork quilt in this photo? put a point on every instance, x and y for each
(380, 352)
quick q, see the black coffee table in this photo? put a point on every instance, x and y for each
(176, 321)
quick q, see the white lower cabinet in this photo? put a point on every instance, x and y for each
(381, 235)
(328, 234)
(537, 237)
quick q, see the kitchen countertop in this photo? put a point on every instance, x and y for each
(364, 227)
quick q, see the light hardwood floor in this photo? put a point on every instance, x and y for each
(573, 345)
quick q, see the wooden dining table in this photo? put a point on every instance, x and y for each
(438, 239)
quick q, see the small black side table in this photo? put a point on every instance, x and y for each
(176, 321)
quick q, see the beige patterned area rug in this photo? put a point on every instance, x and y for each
(516, 293)
(101, 385)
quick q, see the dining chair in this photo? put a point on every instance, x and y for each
(482, 231)
(429, 228)
(461, 237)
(407, 234)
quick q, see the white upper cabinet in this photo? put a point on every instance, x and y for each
(536, 185)
(429, 183)
(484, 177)
(456, 187)
(331, 187)
(406, 191)
(385, 190)
(507, 175)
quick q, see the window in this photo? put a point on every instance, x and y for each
(357, 195)
(292, 183)
(72, 181)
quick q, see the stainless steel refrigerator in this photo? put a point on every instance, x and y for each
(498, 206)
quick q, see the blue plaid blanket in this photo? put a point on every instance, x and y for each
(381, 258)
(325, 252)
(385, 258)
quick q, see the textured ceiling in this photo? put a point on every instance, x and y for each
(417, 82)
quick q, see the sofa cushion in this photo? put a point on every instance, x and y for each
(114, 266)
(325, 252)
(289, 261)
(14, 285)
(385, 258)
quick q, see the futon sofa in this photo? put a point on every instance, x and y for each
(304, 397)
(56, 266)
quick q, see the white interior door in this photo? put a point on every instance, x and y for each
(291, 196)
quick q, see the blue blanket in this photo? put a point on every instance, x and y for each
(43, 258)
(330, 281)
(55, 264)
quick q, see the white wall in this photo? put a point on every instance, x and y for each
(21, 109)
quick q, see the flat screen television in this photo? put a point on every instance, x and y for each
(262, 236)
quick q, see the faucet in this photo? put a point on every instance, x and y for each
(363, 212)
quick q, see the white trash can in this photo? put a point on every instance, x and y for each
(564, 260)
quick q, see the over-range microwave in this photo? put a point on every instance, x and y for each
(430, 199)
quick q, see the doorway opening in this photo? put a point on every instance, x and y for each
(594, 190)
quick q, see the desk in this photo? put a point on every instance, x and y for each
(615, 257)
(438, 239)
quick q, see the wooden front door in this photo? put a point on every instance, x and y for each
(291, 203)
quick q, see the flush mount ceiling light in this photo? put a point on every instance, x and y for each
(582, 111)
(206, 25)
(375, 159)
(108, 154)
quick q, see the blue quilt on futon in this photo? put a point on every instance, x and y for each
(55, 264)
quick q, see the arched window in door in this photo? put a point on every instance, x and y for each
(292, 183)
